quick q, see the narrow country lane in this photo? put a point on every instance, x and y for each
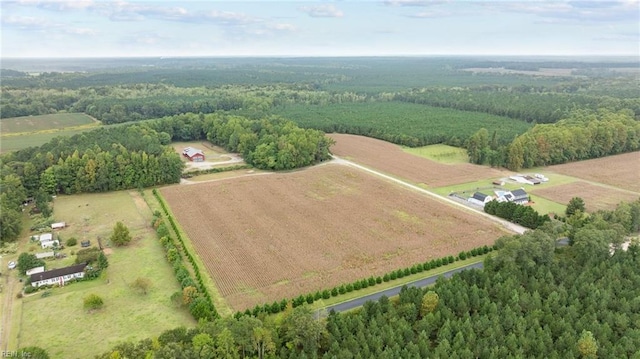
(420, 283)
(506, 224)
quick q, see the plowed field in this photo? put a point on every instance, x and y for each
(265, 238)
(388, 157)
(595, 197)
(621, 171)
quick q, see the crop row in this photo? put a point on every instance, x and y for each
(310, 298)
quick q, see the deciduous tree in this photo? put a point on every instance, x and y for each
(120, 236)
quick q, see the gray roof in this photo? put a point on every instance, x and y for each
(190, 152)
(519, 193)
(480, 196)
(57, 272)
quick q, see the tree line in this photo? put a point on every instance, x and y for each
(582, 135)
(532, 299)
(138, 155)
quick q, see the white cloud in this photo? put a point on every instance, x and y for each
(321, 11)
(413, 2)
(30, 23)
(572, 11)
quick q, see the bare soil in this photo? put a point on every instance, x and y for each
(595, 197)
(390, 158)
(622, 171)
(265, 238)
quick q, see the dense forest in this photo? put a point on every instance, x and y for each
(138, 155)
(532, 299)
(530, 120)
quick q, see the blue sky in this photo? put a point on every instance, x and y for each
(93, 28)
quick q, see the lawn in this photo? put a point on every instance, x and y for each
(44, 122)
(59, 323)
(440, 153)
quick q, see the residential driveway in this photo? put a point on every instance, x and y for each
(234, 158)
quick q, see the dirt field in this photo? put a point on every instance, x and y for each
(595, 197)
(622, 171)
(265, 238)
(390, 158)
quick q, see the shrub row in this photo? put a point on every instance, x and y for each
(279, 306)
(201, 308)
(215, 170)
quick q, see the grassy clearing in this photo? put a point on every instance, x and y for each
(45, 122)
(440, 153)
(394, 283)
(212, 153)
(545, 206)
(127, 315)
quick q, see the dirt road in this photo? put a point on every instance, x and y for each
(506, 224)
(8, 284)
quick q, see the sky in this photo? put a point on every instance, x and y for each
(93, 28)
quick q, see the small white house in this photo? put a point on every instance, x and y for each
(35, 270)
(50, 244)
(58, 225)
(480, 199)
(58, 276)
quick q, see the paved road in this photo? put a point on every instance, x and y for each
(357, 302)
(506, 224)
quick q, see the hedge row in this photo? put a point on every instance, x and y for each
(279, 306)
(181, 272)
(215, 170)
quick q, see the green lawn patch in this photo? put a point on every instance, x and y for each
(440, 153)
(59, 323)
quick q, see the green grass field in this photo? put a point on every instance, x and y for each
(39, 123)
(59, 323)
(440, 153)
(430, 124)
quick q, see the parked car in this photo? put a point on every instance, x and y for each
(12, 265)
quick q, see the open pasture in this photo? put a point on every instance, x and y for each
(390, 158)
(622, 171)
(59, 323)
(440, 153)
(595, 197)
(44, 122)
(265, 238)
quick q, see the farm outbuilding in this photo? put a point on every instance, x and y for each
(59, 225)
(34, 270)
(49, 244)
(193, 154)
(45, 255)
